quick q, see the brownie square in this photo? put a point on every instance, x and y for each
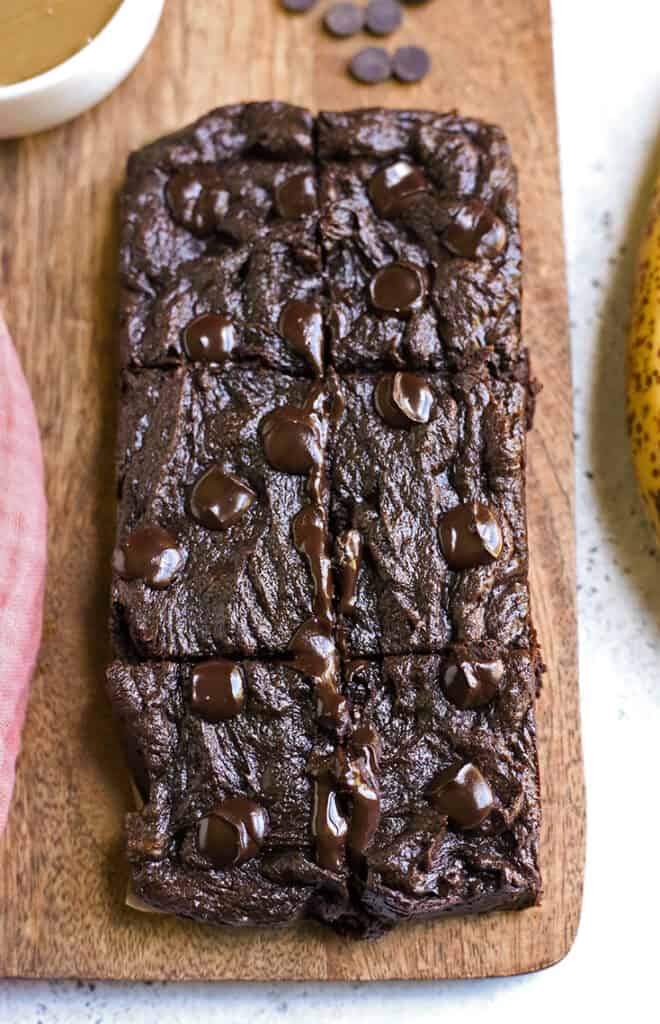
(238, 298)
(421, 244)
(458, 787)
(392, 489)
(225, 830)
(241, 586)
(236, 192)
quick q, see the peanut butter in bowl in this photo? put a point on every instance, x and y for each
(37, 35)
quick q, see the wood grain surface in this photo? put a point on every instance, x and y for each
(62, 875)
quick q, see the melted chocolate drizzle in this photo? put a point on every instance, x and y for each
(315, 655)
(310, 535)
(301, 325)
(358, 778)
(349, 547)
(329, 826)
(294, 441)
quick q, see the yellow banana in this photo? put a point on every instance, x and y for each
(643, 366)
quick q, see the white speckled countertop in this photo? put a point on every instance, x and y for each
(608, 82)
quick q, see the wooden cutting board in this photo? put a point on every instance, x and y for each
(62, 876)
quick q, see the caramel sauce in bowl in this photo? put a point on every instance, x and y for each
(37, 35)
(60, 57)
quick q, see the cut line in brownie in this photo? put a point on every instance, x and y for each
(337, 213)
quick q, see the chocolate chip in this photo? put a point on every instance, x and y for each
(210, 338)
(195, 197)
(475, 231)
(296, 195)
(298, 6)
(383, 17)
(344, 20)
(470, 535)
(291, 440)
(301, 325)
(402, 399)
(218, 500)
(371, 65)
(232, 832)
(149, 553)
(462, 793)
(217, 690)
(399, 288)
(391, 186)
(410, 63)
(471, 684)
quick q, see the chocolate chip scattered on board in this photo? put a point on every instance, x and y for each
(371, 65)
(298, 6)
(410, 63)
(344, 20)
(383, 17)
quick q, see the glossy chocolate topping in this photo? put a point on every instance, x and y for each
(403, 399)
(315, 655)
(292, 440)
(310, 535)
(470, 535)
(398, 289)
(475, 231)
(301, 325)
(195, 196)
(296, 195)
(471, 684)
(217, 689)
(232, 832)
(365, 740)
(462, 793)
(391, 186)
(349, 556)
(210, 338)
(358, 779)
(218, 500)
(149, 553)
(329, 826)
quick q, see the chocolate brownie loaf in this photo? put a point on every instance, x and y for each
(326, 666)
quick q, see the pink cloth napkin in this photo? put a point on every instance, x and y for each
(22, 557)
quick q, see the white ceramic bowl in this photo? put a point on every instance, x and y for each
(84, 79)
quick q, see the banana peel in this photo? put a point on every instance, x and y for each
(643, 366)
